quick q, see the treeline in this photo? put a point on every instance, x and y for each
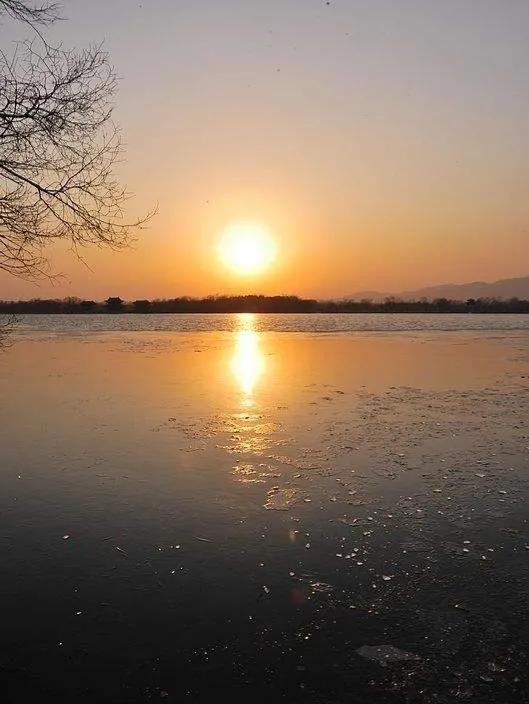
(262, 304)
(184, 304)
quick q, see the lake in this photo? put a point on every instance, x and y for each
(314, 508)
(308, 322)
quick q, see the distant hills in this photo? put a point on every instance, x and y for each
(502, 289)
(504, 296)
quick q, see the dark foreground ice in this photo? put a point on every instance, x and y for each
(258, 516)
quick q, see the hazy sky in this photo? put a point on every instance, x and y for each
(384, 143)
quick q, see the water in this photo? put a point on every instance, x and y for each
(273, 322)
(251, 515)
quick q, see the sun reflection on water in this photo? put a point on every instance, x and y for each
(248, 362)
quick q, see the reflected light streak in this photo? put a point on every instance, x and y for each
(248, 362)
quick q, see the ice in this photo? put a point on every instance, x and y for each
(385, 653)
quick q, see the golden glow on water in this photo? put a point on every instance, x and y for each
(248, 361)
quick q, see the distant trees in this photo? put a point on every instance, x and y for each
(114, 304)
(264, 304)
(87, 306)
(58, 148)
(141, 306)
(442, 304)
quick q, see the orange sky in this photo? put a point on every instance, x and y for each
(383, 144)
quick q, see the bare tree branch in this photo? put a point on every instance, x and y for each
(58, 150)
(7, 323)
(34, 14)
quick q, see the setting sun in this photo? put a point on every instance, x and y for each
(247, 248)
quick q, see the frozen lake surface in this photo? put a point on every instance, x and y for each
(200, 507)
(317, 322)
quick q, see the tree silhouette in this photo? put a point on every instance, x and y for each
(262, 304)
(114, 304)
(31, 13)
(141, 306)
(6, 325)
(58, 148)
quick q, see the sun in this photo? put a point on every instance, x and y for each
(247, 248)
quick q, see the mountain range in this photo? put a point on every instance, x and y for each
(503, 289)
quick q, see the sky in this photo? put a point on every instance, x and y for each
(383, 144)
